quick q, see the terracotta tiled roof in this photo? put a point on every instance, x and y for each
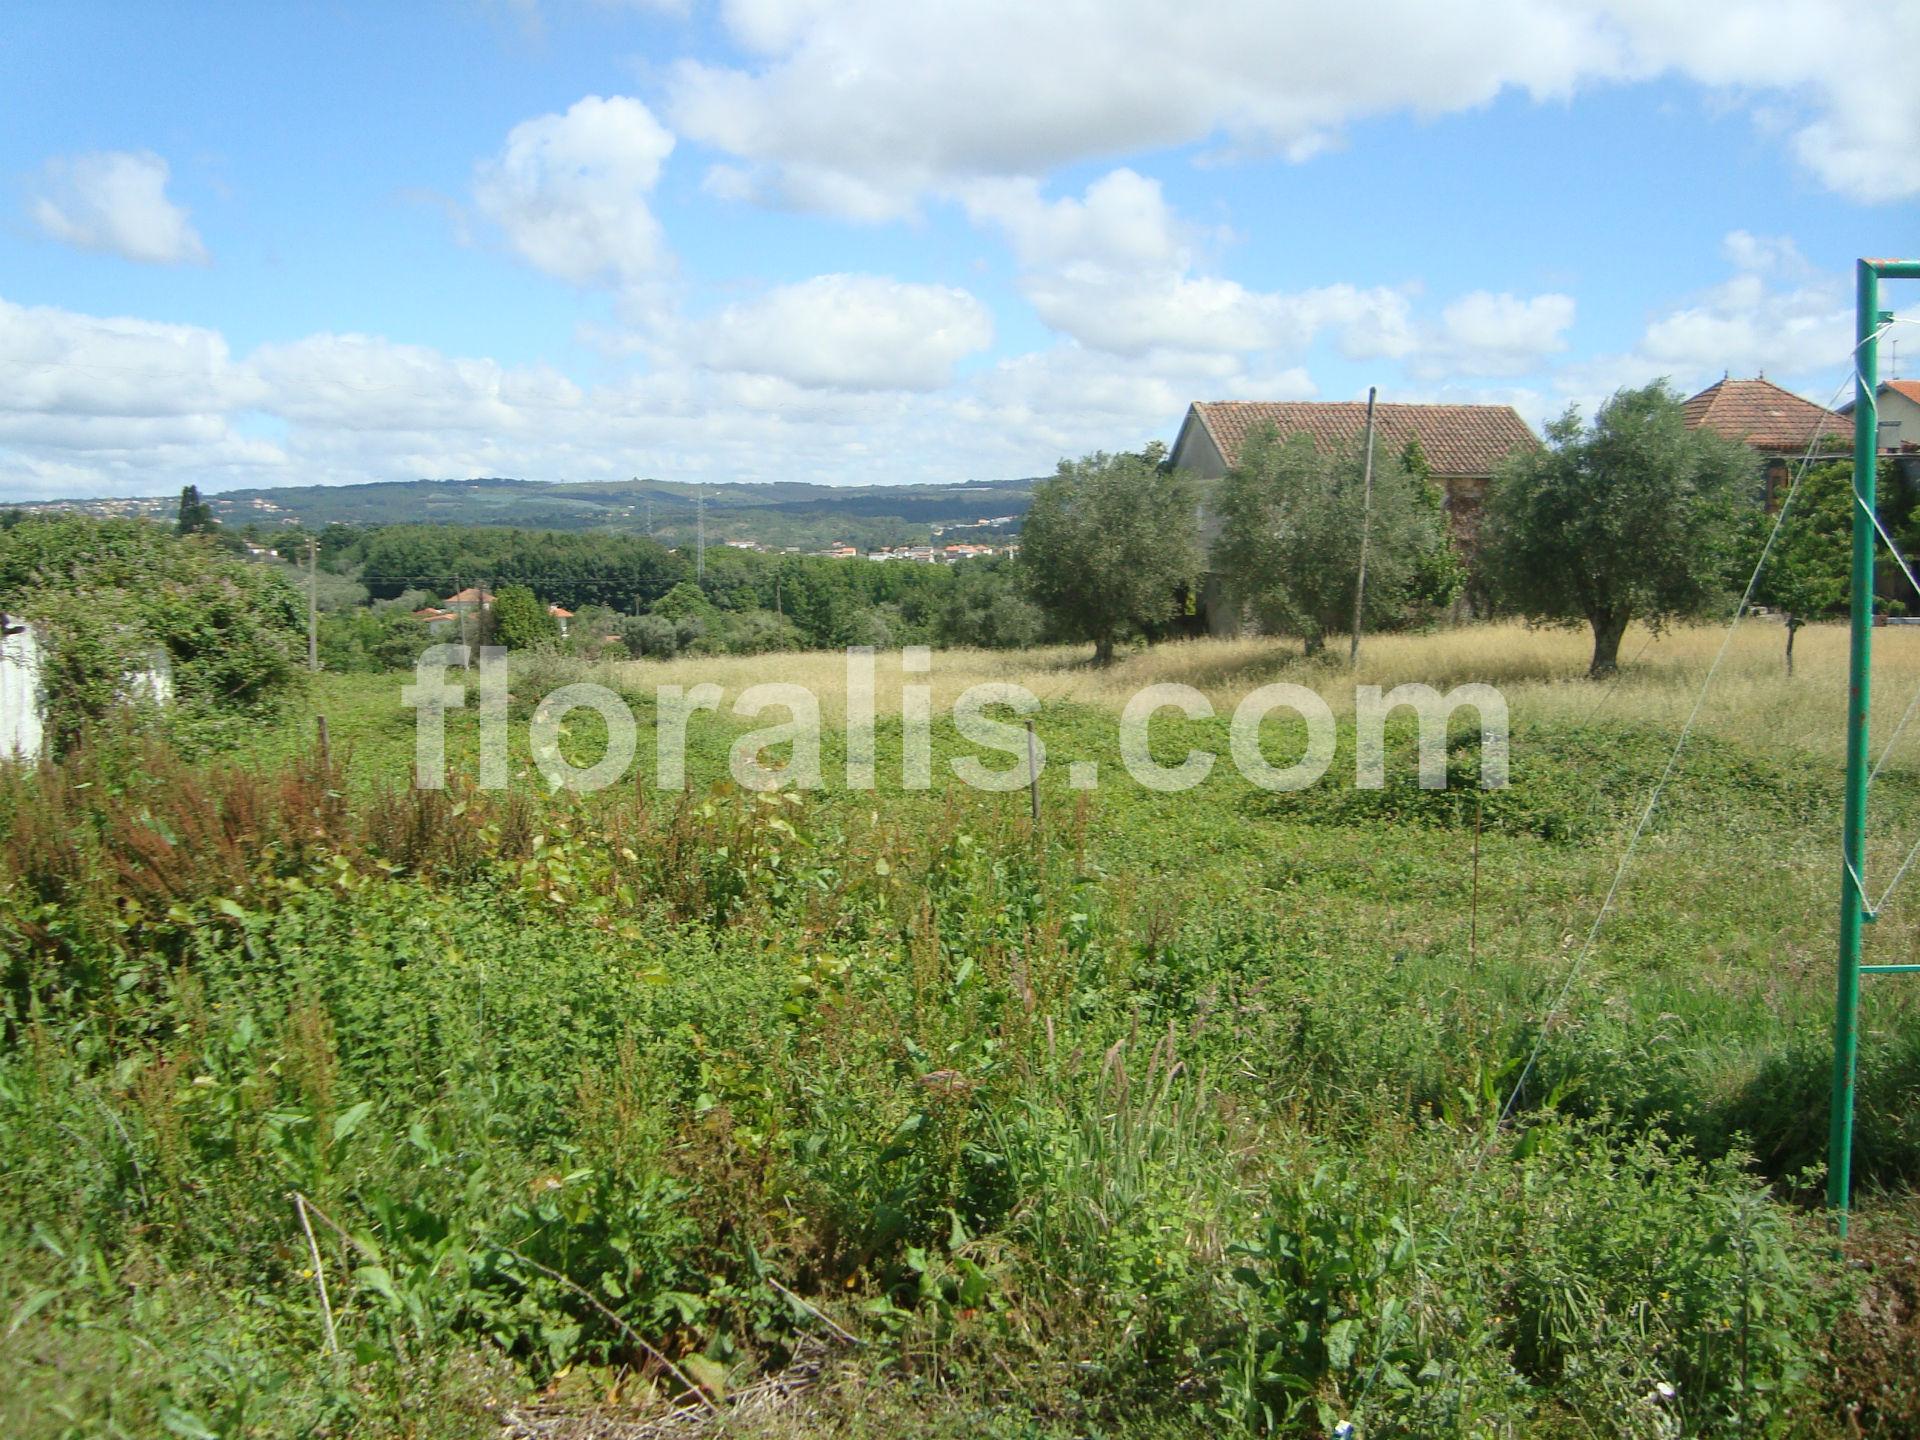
(1908, 388)
(1459, 440)
(472, 595)
(559, 612)
(1762, 415)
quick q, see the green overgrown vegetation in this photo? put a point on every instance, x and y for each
(1179, 1114)
(128, 610)
(631, 596)
(333, 1106)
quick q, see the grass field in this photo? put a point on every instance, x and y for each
(1175, 1114)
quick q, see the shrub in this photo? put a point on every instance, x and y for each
(114, 594)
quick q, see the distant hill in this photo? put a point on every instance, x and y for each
(776, 514)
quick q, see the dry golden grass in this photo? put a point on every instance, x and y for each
(1542, 673)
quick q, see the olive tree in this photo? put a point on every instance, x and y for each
(1634, 517)
(1291, 517)
(1109, 546)
(1807, 571)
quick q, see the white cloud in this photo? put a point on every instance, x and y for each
(116, 201)
(367, 383)
(1115, 270)
(1746, 325)
(1131, 315)
(1068, 400)
(859, 332)
(1775, 315)
(92, 405)
(570, 192)
(860, 107)
(55, 361)
(1482, 333)
(1763, 254)
(1123, 219)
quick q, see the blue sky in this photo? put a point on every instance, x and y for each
(848, 240)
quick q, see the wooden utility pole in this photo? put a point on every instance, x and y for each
(313, 605)
(1366, 524)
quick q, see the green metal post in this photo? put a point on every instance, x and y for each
(1846, 1007)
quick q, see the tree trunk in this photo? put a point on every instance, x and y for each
(1793, 628)
(1312, 645)
(1607, 630)
(1103, 649)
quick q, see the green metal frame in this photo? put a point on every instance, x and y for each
(1854, 914)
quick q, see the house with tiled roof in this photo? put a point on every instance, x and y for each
(1776, 424)
(1898, 403)
(1463, 443)
(1769, 419)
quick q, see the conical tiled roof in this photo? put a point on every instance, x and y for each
(1761, 414)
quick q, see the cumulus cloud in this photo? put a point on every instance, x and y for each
(1748, 325)
(1775, 314)
(60, 362)
(1132, 315)
(1117, 270)
(1483, 334)
(861, 107)
(1123, 219)
(857, 332)
(116, 201)
(1067, 400)
(569, 192)
(92, 404)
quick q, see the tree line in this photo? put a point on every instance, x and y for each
(629, 592)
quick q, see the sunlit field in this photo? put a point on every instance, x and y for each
(892, 1112)
(1542, 672)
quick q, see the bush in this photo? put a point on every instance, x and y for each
(371, 641)
(655, 637)
(756, 632)
(986, 609)
(112, 595)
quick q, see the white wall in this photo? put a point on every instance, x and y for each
(21, 732)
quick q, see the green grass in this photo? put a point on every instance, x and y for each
(1174, 1116)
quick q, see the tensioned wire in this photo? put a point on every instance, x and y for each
(1859, 883)
(1346, 1427)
